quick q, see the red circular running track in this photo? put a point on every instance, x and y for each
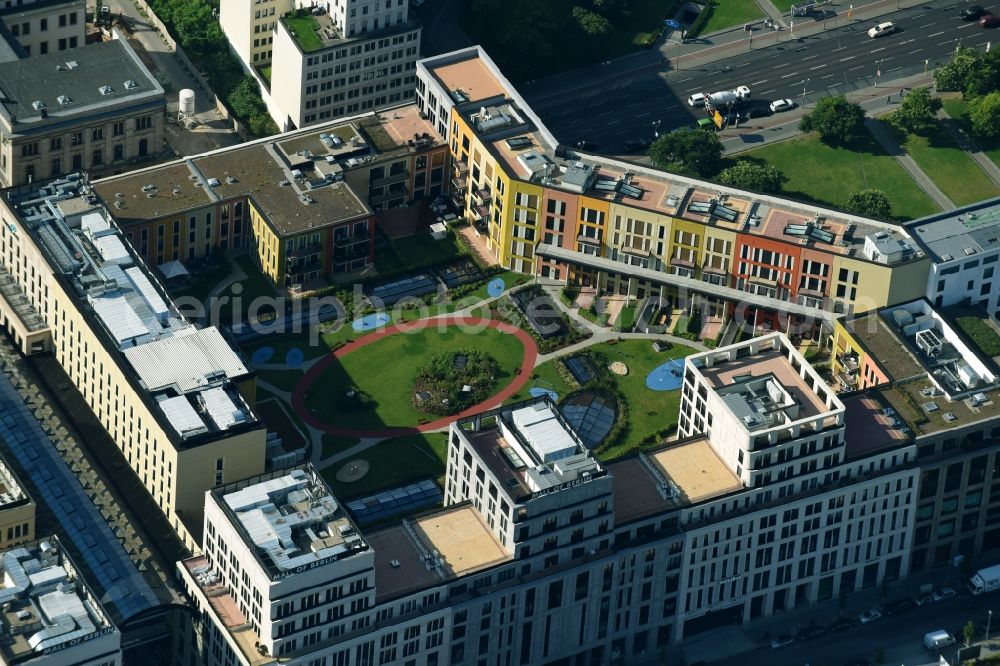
(522, 377)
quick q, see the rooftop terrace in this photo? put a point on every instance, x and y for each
(292, 521)
(46, 604)
(186, 372)
(317, 32)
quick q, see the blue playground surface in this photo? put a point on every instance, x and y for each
(294, 358)
(666, 377)
(538, 391)
(496, 287)
(262, 355)
(370, 322)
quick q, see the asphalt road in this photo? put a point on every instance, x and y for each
(901, 636)
(841, 59)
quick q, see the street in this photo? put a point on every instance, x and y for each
(842, 59)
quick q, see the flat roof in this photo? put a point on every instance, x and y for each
(773, 362)
(294, 179)
(696, 470)
(164, 356)
(936, 413)
(329, 34)
(871, 425)
(74, 82)
(635, 491)
(884, 346)
(47, 606)
(962, 233)
(465, 542)
(472, 77)
(291, 521)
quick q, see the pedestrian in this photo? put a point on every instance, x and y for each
(888, 98)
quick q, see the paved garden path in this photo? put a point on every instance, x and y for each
(918, 175)
(313, 373)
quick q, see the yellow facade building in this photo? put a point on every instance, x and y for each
(177, 400)
(631, 229)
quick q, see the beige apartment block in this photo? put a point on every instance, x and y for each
(17, 510)
(46, 26)
(95, 107)
(175, 399)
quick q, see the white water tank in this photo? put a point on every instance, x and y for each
(186, 101)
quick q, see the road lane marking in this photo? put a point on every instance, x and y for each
(810, 57)
(687, 79)
(848, 58)
(914, 51)
(768, 91)
(936, 34)
(757, 83)
(817, 67)
(854, 68)
(788, 75)
(879, 49)
(947, 41)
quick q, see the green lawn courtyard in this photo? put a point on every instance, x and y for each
(393, 462)
(950, 167)
(958, 109)
(383, 372)
(729, 13)
(649, 411)
(826, 175)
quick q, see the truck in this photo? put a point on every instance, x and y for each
(725, 98)
(985, 580)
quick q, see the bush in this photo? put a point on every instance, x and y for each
(699, 23)
(444, 381)
(568, 295)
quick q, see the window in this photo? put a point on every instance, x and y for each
(97, 159)
(29, 149)
(56, 143)
(118, 129)
(97, 134)
(144, 123)
(76, 139)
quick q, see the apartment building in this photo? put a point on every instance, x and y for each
(941, 387)
(964, 246)
(17, 510)
(634, 230)
(174, 398)
(95, 107)
(788, 496)
(51, 616)
(305, 203)
(43, 27)
(326, 59)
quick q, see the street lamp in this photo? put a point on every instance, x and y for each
(989, 618)
(804, 83)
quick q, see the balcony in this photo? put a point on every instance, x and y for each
(392, 178)
(352, 239)
(461, 168)
(459, 182)
(482, 196)
(309, 250)
(849, 362)
(482, 212)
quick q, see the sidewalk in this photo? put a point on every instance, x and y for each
(909, 164)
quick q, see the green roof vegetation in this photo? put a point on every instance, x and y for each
(981, 333)
(304, 28)
(394, 462)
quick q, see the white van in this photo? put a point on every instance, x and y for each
(936, 640)
(696, 100)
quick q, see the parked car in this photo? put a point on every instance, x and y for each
(925, 599)
(635, 145)
(899, 606)
(842, 624)
(758, 109)
(583, 144)
(935, 640)
(697, 100)
(971, 13)
(779, 105)
(882, 29)
(812, 633)
(869, 616)
(781, 640)
(943, 593)
(989, 21)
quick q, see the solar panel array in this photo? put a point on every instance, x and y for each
(581, 368)
(413, 286)
(116, 580)
(592, 420)
(374, 508)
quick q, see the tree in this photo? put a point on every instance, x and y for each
(752, 176)
(591, 23)
(985, 76)
(873, 203)
(245, 100)
(955, 75)
(917, 113)
(836, 120)
(969, 632)
(984, 114)
(689, 150)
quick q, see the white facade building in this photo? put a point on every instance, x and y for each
(965, 246)
(327, 59)
(51, 617)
